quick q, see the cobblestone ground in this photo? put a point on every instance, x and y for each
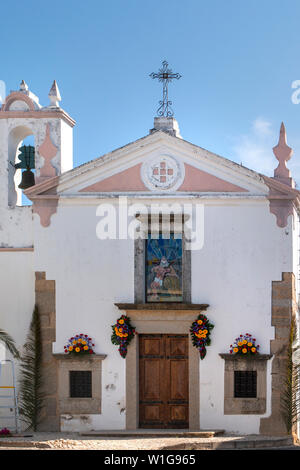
(74, 441)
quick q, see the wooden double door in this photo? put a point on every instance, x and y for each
(163, 381)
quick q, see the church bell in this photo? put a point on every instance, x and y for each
(27, 180)
(27, 162)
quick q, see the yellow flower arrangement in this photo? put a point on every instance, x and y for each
(244, 345)
(79, 344)
(122, 334)
(200, 334)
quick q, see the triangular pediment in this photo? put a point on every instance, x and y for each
(157, 163)
(194, 180)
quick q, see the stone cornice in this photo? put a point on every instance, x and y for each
(40, 113)
(12, 249)
(171, 306)
(234, 357)
(85, 357)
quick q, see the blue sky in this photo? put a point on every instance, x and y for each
(237, 59)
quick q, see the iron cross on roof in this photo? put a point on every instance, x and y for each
(165, 75)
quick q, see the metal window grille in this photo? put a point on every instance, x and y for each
(245, 383)
(80, 384)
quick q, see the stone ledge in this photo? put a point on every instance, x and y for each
(72, 357)
(234, 357)
(162, 306)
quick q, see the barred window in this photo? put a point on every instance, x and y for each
(80, 384)
(245, 383)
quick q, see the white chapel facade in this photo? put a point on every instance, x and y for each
(69, 254)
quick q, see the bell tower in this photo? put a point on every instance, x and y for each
(21, 115)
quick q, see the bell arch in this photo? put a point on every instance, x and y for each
(16, 137)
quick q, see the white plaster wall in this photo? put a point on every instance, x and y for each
(16, 307)
(16, 223)
(66, 132)
(244, 251)
(90, 276)
(17, 293)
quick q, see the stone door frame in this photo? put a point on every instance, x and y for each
(161, 322)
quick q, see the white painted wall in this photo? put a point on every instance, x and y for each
(17, 294)
(16, 306)
(244, 251)
(90, 276)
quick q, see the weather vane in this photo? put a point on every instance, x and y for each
(165, 75)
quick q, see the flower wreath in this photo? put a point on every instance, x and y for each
(122, 334)
(244, 345)
(200, 334)
(79, 345)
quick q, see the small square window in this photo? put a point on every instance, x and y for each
(80, 384)
(245, 383)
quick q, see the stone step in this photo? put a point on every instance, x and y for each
(259, 442)
(158, 433)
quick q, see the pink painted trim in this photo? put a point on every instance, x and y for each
(17, 96)
(38, 114)
(45, 208)
(16, 249)
(283, 154)
(282, 195)
(282, 210)
(48, 151)
(48, 184)
(283, 199)
(198, 180)
(127, 180)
